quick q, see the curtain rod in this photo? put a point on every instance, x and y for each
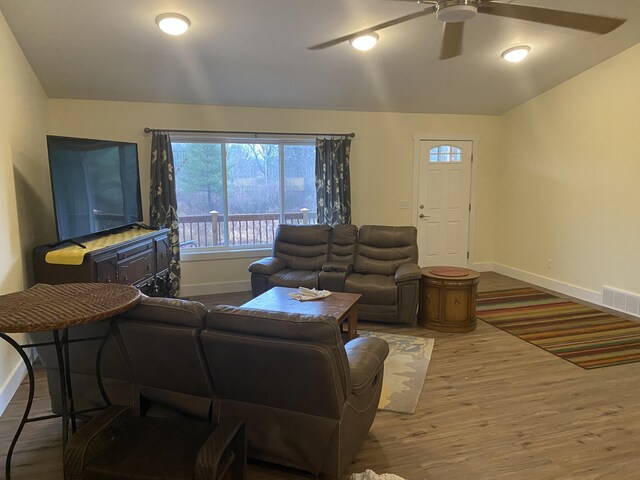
(152, 130)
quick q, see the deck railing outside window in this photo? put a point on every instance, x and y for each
(244, 229)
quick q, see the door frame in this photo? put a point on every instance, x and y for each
(439, 137)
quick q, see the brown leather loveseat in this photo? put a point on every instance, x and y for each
(377, 261)
(308, 400)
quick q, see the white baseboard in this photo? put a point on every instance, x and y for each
(551, 284)
(213, 288)
(10, 387)
(483, 267)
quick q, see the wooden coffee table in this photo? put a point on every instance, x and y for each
(341, 306)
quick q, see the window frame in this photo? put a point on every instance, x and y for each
(239, 251)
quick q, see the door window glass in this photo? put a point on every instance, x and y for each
(445, 154)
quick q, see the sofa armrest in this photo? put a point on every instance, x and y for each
(340, 267)
(267, 266)
(408, 272)
(332, 281)
(366, 357)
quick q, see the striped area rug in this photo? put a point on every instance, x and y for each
(581, 335)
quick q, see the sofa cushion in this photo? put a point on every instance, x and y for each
(382, 249)
(166, 359)
(294, 279)
(302, 247)
(375, 289)
(270, 326)
(343, 243)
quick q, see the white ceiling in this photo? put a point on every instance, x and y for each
(254, 53)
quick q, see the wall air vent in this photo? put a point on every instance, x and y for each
(620, 300)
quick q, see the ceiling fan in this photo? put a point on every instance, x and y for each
(455, 12)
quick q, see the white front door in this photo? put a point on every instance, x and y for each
(444, 189)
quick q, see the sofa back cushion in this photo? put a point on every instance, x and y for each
(160, 335)
(302, 247)
(382, 249)
(286, 361)
(343, 243)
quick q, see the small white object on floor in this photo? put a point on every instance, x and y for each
(371, 475)
(304, 294)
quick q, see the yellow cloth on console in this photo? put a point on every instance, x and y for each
(74, 255)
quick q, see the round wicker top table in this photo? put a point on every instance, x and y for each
(56, 308)
(43, 308)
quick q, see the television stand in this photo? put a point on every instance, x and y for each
(136, 257)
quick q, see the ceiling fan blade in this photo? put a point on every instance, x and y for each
(380, 26)
(451, 40)
(558, 18)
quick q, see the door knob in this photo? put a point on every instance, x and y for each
(422, 215)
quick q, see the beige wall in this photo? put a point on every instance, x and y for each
(569, 180)
(25, 212)
(381, 167)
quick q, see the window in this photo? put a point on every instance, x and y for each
(445, 153)
(235, 192)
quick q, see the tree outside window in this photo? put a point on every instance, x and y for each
(235, 193)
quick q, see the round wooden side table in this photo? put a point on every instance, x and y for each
(448, 299)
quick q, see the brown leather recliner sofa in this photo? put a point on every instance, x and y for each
(307, 399)
(161, 338)
(379, 262)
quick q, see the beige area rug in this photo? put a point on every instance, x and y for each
(371, 475)
(404, 370)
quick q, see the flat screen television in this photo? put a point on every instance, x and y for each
(95, 184)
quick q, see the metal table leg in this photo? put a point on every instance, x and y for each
(62, 375)
(61, 344)
(25, 416)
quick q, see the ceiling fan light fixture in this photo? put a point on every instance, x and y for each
(364, 42)
(173, 23)
(456, 13)
(516, 54)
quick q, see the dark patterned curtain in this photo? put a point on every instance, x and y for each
(163, 204)
(333, 191)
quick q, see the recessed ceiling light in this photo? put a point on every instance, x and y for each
(516, 54)
(364, 42)
(173, 23)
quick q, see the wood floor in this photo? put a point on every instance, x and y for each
(492, 407)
